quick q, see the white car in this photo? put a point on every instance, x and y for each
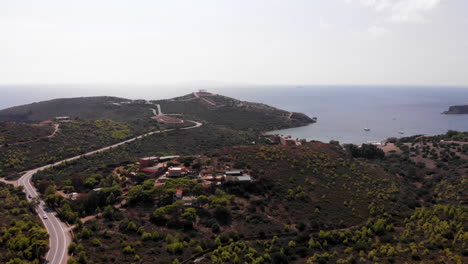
(45, 216)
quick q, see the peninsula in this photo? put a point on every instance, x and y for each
(457, 110)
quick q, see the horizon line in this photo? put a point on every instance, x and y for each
(225, 84)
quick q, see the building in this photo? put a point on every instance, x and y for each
(243, 178)
(168, 158)
(288, 141)
(148, 161)
(275, 139)
(233, 173)
(73, 196)
(189, 200)
(62, 118)
(178, 194)
(177, 172)
(237, 175)
(211, 178)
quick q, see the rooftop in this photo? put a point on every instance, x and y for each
(149, 158)
(168, 157)
(234, 172)
(244, 178)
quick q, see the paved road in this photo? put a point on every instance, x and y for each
(59, 232)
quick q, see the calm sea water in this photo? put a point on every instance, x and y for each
(342, 111)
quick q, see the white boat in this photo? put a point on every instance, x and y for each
(367, 129)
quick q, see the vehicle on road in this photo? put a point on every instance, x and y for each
(29, 196)
(45, 216)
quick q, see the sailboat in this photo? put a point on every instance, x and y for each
(401, 132)
(367, 129)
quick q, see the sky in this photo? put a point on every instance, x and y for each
(264, 42)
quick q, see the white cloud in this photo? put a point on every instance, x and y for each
(402, 11)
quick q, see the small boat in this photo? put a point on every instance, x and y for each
(401, 132)
(367, 129)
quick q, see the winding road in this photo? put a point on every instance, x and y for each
(60, 234)
(157, 112)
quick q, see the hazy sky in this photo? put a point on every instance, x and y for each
(411, 42)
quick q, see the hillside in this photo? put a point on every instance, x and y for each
(72, 138)
(233, 113)
(99, 121)
(102, 107)
(297, 190)
(311, 203)
(457, 109)
(17, 133)
(316, 184)
(214, 109)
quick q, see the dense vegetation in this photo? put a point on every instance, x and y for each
(435, 169)
(312, 203)
(235, 114)
(90, 172)
(74, 138)
(431, 235)
(103, 107)
(227, 111)
(304, 189)
(20, 133)
(100, 121)
(22, 237)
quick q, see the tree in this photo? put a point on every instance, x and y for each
(223, 215)
(109, 212)
(190, 214)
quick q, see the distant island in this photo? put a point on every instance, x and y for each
(457, 110)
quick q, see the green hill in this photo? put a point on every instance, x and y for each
(315, 184)
(233, 113)
(215, 109)
(103, 107)
(298, 191)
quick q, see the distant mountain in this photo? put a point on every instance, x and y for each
(457, 109)
(210, 108)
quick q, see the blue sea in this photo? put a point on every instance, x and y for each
(342, 111)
